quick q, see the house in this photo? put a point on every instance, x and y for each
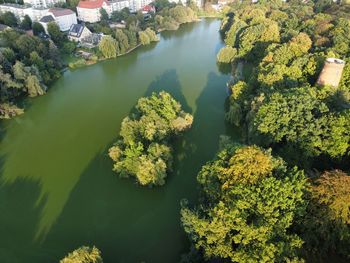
(136, 5)
(92, 40)
(43, 3)
(89, 10)
(20, 11)
(64, 18)
(45, 20)
(117, 5)
(331, 73)
(78, 32)
(148, 9)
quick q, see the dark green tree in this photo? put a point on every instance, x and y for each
(9, 19)
(38, 29)
(26, 23)
(55, 33)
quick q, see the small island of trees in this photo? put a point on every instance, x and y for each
(144, 150)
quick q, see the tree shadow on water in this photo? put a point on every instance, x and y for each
(169, 82)
(21, 205)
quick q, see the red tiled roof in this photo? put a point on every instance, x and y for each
(91, 4)
(148, 8)
(60, 11)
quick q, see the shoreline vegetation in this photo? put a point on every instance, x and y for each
(284, 195)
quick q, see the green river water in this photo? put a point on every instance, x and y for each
(57, 188)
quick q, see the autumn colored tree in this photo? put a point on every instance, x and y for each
(326, 225)
(250, 200)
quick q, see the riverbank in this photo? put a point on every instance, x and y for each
(82, 62)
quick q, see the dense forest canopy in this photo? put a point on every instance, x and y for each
(283, 48)
(254, 206)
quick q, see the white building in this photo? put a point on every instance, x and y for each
(199, 3)
(20, 11)
(43, 3)
(64, 18)
(136, 5)
(37, 13)
(118, 5)
(89, 11)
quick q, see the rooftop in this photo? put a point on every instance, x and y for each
(60, 11)
(92, 4)
(76, 30)
(47, 19)
(332, 72)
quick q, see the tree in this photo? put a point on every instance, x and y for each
(9, 19)
(26, 23)
(144, 38)
(250, 201)
(26, 44)
(123, 41)
(69, 47)
(33, 86)
(84, 255)
(104, 15)
(121, 15)
(300, 118)
(38, 29)
(108, 47)
(132, 37)
(55, 33)
(226, 54)
(326, 225)
(182, 14)
(151, 35)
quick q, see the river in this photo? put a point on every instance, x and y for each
(57, 189)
